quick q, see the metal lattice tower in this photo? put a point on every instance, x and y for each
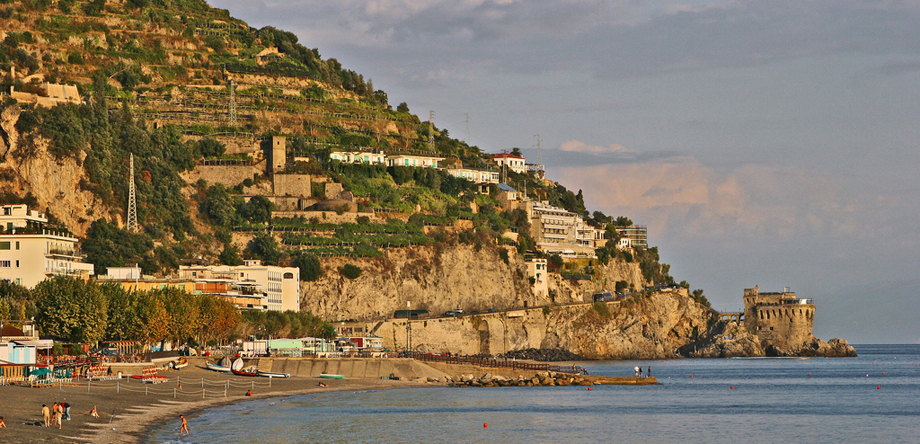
(539, 150)
(232, 103)
(431, 131)
(132, 201)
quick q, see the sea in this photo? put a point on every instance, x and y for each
(873, 398)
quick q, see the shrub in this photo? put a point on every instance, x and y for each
(350, 271)
(601, 309)
(310, 267)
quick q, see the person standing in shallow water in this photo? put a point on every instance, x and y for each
(184, 426)
(648, 374)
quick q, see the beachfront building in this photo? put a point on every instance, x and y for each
(32, 250)
(412, 160)
(279, 285)
(512, 162)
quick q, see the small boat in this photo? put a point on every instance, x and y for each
(237, 364)
(246, 372)
(180, 364)
(273, 374)
(218, 368)
(328, 376)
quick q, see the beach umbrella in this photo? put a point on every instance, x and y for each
(39, 372)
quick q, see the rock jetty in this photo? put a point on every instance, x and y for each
(544, 379)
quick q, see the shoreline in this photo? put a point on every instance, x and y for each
(133, 409)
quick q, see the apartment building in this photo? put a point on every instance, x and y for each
(279, 285)
(32, 250)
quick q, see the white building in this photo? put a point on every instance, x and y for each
(475, 176)
(281, 285)
(414, 161)
(359, 157)
(536, 269)
(32, 251)
(633, 236)
(514, 163)
(558, 230)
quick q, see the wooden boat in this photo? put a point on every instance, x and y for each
(180, 364)
(246, 372)
(237, 364)
(327, 376)
(273, 374)
(218, 368)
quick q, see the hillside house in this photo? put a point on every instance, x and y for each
(513, 163)
(414, 160)
(247, 284)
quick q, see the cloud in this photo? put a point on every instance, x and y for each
(581, 147)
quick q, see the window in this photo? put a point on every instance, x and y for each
(4, 264)
(289, 275)
(4, 245)
(17, 245)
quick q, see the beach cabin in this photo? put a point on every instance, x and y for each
(285, 347)
(317, 346)
(16, 353)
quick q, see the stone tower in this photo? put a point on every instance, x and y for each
(780, 319)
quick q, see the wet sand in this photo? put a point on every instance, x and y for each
(128, 408)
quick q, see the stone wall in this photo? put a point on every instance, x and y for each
(226, 175)
(296, 185)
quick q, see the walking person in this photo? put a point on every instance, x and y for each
(58, 412)
(184, 426)
(2, 423)
(46, 414)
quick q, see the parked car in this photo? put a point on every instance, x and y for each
(456, 312)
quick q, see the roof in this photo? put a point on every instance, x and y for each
(505, 187)
(505, 155)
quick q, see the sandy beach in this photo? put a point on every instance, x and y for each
(127, 407)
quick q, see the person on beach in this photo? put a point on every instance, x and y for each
(66, 407)
(46, 414)
(640, 372)
(58, 412)
(184, 426)
(2, 423)
(648, 374)
(93, 412)
(637, 371)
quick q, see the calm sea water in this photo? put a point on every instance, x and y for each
(772, 401)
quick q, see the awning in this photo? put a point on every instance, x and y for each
(38, 343)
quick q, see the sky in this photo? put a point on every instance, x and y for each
(771, 143)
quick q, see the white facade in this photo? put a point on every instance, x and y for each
(413, 161)
(633, 236)
(359, 157)
(475, 176)
(31, 251)
(557, 230)
(536, 269)
(281, 285)
(514, 163)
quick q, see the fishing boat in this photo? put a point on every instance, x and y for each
(179, 364)
(245, 372)
(218, 368)
(328, 376)
(237, 364)
(273, 374)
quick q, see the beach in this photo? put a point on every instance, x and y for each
(127, 407)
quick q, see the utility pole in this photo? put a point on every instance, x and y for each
(468, 129)
(431, 130)
(132, 201)
(232, 103)
(539, 150)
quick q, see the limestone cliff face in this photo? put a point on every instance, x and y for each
(54, 183)
(418, 278)
(572, 292)
(642, 327)
(729, 339)
(647, 327)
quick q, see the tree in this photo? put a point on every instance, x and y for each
(71, 310)
(153, 315)
(516, 152)
(220, 207)
(124, 323)
(208, 147)
(310, 267)
(265, 247)
(230, 256)
(258, 209)
(350, 271)
(402, 108)
(556, 261)
(623, 221)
